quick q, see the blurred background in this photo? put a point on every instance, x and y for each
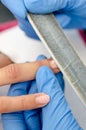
(16, 45)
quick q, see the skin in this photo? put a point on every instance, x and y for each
(13, 73)
(4, 60)
(21, 103)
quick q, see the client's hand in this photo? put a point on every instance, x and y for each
(23, 72)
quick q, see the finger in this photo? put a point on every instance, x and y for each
(57, 72)
(21, 72)
(18, 72)
(57, 111)
(43, 6)
(21, 103)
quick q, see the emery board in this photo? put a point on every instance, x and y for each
(57, 43)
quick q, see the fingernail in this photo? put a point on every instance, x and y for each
(53, 64)
(44, 99)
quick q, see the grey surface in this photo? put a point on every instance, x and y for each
(0, 124)
(76, 106)
(61, 50)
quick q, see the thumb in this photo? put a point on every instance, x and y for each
(43, 6)
(21, 103)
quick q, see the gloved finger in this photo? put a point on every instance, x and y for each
(57, 112)
(58, 75)
(43, 6)
(16, 7)
(32, 117)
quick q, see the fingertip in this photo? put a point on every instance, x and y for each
(43, 99)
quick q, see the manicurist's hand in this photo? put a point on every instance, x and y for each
(69, 13)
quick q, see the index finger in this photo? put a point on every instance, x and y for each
(14, 73)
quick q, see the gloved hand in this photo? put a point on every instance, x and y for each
(70, 13)
(57, 113)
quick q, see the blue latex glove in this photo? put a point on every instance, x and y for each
(57, 114)
(70, 13)
(28, 119)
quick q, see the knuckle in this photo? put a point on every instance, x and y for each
(12, 71)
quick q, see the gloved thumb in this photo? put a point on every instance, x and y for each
(21, 103)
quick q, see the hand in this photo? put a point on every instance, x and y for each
(29, 119)
(70, 14)
(57, 113)
(23, 72)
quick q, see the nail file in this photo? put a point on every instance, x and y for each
(57, 43)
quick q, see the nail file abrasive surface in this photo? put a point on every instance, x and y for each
(61, 50)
